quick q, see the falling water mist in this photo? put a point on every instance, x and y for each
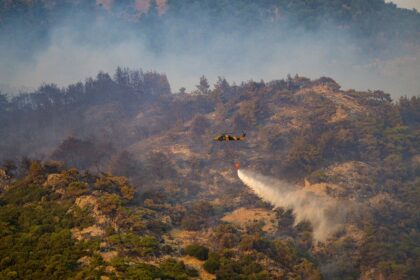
(319, 209)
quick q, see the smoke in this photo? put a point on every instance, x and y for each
(79, 45)
(319, 209)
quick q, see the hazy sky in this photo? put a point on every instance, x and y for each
(78, 47)
(409, 4)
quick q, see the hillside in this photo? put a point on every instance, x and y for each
(365, 17)
(358, 148)
(376, 26)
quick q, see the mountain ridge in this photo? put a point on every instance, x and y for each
(358, 148)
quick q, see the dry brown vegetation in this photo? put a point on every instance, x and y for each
(182, 189)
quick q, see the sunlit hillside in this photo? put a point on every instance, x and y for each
(209, 139)
(179, 187)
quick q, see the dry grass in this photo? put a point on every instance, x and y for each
(108, 256)
(243, 216)
(183, 238)
(92, 231)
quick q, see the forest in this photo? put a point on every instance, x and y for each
(118, 177)
(364, 17)
(111, 172)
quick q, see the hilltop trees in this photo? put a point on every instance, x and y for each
(410, 110)
(49, 114)
(204, 86)
(126, 86)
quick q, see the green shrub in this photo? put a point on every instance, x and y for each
(171, 269)
(212, 264)
(198, 251)
(139, 245)
(142, 271)
(24, 194)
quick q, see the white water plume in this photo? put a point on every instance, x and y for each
(319, 209)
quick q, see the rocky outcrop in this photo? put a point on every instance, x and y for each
(4, 181)
(91, 202)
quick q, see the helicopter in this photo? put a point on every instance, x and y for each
(229, 137)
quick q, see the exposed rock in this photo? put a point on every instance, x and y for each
(4, 181)
(108, 256)
(89, 232)
(85, 260)
(92, 202)
(340, 115)
(56, 181)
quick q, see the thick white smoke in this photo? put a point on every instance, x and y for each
(319, 209)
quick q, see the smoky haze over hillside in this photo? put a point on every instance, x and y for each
(186, 44)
